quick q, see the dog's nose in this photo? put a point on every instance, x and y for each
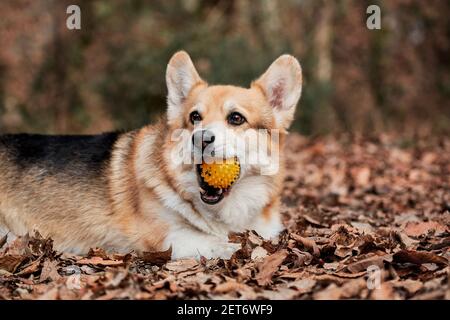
(202, 138)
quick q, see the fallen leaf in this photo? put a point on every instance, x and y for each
(343, 251)
(362, 227)
(279, 294)
(50, 271)
(19, 246)
(181, 265)
(417, 229)
(419, 257)
(100, 261)
(332, 292)
(158, 258)
(30, 268)
(231, 286)
(51, 294)
(255, 239)
(303, 285)
(331, 266)
(376, 260)
(384, 292)
(86, 269)
(350, 275)
(361, 176)
(308, 243)
(430, 266)
(313, 220)
(10, 262)
(97, 252)
(114, 279)
(412, 286)
(407, 241)
(269, 266)
(303, 258)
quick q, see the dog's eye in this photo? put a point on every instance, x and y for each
(195, 117)
(236, 119)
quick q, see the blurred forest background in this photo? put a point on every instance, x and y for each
(110, 74)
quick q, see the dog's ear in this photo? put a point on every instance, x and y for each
(181, 77)
(282, 85)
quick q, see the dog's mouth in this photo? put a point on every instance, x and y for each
(210, 194)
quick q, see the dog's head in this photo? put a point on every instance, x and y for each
(221, 122)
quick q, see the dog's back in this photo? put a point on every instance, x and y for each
(66, 155)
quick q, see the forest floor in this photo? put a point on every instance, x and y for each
(365, 218)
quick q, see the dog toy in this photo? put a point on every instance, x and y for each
(221, 175)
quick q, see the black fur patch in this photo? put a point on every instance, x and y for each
(71, 154)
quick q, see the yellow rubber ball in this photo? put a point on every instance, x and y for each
(220, 175)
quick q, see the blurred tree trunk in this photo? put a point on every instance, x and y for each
(322, 41)
(61, 86)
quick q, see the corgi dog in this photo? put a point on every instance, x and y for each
(143, 190)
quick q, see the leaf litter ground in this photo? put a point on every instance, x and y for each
(365, 219)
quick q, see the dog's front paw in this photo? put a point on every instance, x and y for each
(224, 250)
(208, 249)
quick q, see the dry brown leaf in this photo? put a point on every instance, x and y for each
(269, 266)
(113, 279)
(279, 294)
(181, 265)
(412, 286)
(158, 258)
(97, 252)
(331, 266)
(407, 241)
(417, 229)
(254, 239)
(303, 258)
(19, 246)
(100, 262)
(309, 243)
(303, 285)
(343, 251)
(419, 257)
(50, 271)
(361, 176)
(30, 268)
(313, 220)
(362, 227)
(332, 292)
(51, 294)
(231, 286)
(362, 265)
(10, 262)
(237, 237)
(384, 292)
(350, 275)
